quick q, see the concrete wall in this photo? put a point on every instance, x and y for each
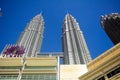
(72, 72)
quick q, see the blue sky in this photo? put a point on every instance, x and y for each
(17, 13)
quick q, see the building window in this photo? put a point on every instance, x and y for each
(8, 77)
(47, 76)
(114, 72)
(101, 78)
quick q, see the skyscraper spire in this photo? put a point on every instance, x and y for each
(31, 37)
(0, 12)
(73, 43)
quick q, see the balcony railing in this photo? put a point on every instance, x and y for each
(56, 54)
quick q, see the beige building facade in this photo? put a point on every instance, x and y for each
(31, 68)
(72, 72)
(104, 67)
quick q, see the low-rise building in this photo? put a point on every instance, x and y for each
(30, 68)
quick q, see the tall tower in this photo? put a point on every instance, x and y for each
(74, 47)
(111, 25)
(30, 38)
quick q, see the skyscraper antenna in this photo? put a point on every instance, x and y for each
(41, 12)
(0, 12)
(67, 12)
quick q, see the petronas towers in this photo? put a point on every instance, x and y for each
(32, 36)
(30, 39)
(74, 47)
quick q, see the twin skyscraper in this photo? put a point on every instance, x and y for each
(74, 47)
(75, 50)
